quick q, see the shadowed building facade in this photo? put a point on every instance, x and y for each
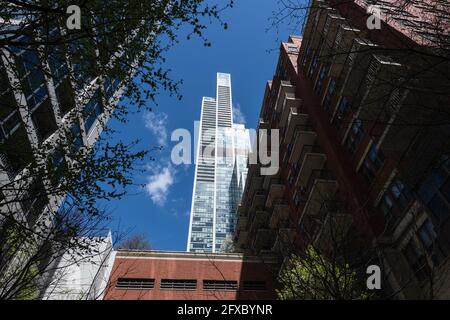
(364, 158)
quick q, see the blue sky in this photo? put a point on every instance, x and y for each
(161, 210)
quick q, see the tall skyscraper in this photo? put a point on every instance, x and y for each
(220, 171)
(53, 107)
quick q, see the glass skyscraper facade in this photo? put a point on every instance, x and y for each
(220, 171)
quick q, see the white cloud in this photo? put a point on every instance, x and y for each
(156, 123)
(159, 184)
(238, 115)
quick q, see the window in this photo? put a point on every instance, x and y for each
(33, 201)
(373, 162)
(58, 164)
(376, 156)
(135, 283)
(341, 112)
(176, 284)
(292, 50)
(355, 136)
(292, 176)
(289, 149)
(32, 77)
(92, 110)
(281, 70)
(313, 66)
(427, 235)
(416, 259)
(306, 57)
(9, 115)
(329, 95)
(401, 193)
(298, 196)
(220, 285)
(57, 64)
(430, 241)
(396, 198)
(9, 125)
(386, 206)
(435, 193)
(82, 67)
(254, 286)
(75, 134)
(110, 86)
(319, 83)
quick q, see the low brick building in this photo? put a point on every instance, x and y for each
(164, 275)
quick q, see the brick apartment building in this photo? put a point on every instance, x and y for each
(165, 275)
(364, 131)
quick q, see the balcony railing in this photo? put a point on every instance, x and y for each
(286, 90)
(284, 241)
(241, 222)
(296, 120)
(333, 230)
(263, 240)
(280, 214)
(321, 187)
(302, 138)
(319, 174)
(258, 201)
(276, 192)
(309, 149)
(288, 104)
(311, 165)
(260, 219)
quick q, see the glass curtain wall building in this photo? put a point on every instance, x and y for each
(220, 171)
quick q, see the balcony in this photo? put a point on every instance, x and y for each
(259, 220)
(355, 67)
(258, 202)
(241, 210)
(302, 139)
(323, 187)
(280, 214)
(276, 192)
(286, 90)
(288, 104)
(255, 185)
(268, 180)
(333, 230)
(342, 44)
(312, 161)
(317, 25)
(253, 169)
(284, 240)
(241, 238)
(263, 240)
(379, 79)
(241, 222)
(333, 22)
(295, 120)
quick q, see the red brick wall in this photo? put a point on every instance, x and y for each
(199, 269)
